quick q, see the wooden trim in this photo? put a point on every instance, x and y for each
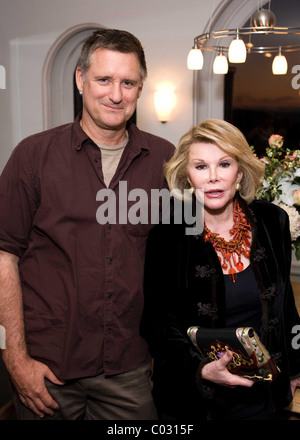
(7, 411)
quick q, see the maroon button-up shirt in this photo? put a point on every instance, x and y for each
(81, 280)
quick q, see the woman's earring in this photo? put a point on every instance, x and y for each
(191, 190)
(238, 186)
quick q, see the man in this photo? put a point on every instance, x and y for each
(71, 288)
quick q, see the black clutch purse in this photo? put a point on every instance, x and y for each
(250, 359)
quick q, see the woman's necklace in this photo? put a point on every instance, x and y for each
(233, 249)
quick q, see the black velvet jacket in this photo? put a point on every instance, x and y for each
(184, 286)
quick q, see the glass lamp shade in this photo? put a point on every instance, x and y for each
(279, 65)
(237, 52)
(195, 59)
(164, 101)
(220, 64)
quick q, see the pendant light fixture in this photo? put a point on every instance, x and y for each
(237, 51)
(220, 64)
(263, 24)
(279, 65)
(195, 59)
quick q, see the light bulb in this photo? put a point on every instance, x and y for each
(237, 51)
(220, 64)
(195, 59)
(279, 65)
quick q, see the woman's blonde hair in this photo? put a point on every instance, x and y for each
(227, 137)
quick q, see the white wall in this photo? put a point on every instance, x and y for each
(28, 29)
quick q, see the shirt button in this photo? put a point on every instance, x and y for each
(96, 160)
(110, 260)
(109, 295)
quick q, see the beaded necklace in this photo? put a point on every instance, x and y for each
(232, 250)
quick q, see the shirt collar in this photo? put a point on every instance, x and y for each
(79, 135)
(137, 140)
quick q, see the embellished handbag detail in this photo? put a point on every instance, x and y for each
(251, 359)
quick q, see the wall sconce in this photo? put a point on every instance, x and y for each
(164, 101)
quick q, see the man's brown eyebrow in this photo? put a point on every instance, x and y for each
(102, 77)
(133, 81)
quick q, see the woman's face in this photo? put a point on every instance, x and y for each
(215, 172)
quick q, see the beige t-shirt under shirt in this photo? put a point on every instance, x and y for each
(110, 157)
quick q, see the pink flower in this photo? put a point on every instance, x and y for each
(296, 196)
(291, 157)
(276, 141)
(264, 159)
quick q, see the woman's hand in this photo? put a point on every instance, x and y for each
(217, 372)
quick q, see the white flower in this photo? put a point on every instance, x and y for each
(294, 218)
(287, 189)
(281, 184)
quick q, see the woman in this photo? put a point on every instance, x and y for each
(201, 280)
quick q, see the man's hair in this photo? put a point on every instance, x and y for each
(111, 39)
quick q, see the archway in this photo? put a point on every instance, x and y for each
(58, 70)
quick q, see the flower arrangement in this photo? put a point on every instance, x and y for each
(281, 184)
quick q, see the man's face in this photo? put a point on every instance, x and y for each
(111, 88)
